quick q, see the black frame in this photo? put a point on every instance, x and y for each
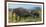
(22, 2)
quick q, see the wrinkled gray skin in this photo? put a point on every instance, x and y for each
(24, 12)
(21, 11)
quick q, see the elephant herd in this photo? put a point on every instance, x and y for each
(25, 12)
(21, 12)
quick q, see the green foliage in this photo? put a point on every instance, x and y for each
(25, 19)
(15, 18)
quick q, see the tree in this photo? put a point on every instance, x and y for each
(37, 8)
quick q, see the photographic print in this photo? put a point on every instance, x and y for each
(19, 13)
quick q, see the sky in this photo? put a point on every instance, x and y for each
(27, 6)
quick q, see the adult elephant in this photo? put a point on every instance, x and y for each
(35, 14)
(21, 12)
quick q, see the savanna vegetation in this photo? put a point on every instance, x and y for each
(24, 15)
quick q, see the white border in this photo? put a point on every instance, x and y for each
(24, 22)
